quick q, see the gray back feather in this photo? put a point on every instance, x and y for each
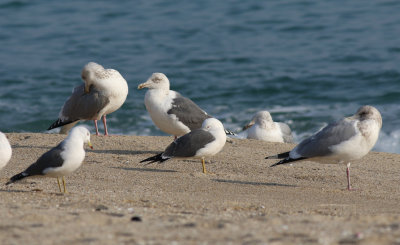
(188, 112)
(50, 159)
(86, 106)
(188, 144)
(320, 143)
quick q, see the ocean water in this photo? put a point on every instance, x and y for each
(307, 62)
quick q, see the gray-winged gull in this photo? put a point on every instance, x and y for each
(263, 128)
(103, 92)
(61, 160)
(339, 142)
(5, 150)
(199, 143)
(170, 111)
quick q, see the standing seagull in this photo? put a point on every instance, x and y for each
(343, 141)
(170, 111)
(5, 150)
(61, 160)
(103, 92)
(263, 128)
(199, 143)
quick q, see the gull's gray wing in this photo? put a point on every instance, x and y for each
(188, 112)
(81, 106)
(286, 132)
(188, 144)
(320, 143)
(50, 159)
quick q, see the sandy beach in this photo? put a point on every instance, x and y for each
(114, 199)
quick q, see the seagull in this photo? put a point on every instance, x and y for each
(199, 143)
(170, 111)
(263, 128)
(342, 141)
(103, 92)
(5, 150)
(61, 160)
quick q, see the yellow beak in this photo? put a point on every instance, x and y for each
(87, 88)
(90, 145)
(142, 85)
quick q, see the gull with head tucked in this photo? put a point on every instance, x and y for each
(199, 143)
(103, 92)
(342, 141)
(263, 128)
(61, 160)
(170, 111)
(5, 150)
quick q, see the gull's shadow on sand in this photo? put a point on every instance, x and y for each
(250, 183)
(147, 170)
(31, 146)
(16, 191)
(124, 152)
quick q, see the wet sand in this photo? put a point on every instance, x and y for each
(114, 199)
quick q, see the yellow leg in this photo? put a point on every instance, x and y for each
(65, 187)
(204, 165)
(58, 182)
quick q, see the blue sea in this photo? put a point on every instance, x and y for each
(307, 62)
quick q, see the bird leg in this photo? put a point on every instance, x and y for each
(348, 177)
(59, 186)
(204, 165)
(65, 187)
(97, 129)
(105, 125)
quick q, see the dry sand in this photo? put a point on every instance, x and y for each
(242, 201)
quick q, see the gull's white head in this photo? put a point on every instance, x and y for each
(88, 74)
(260, 118)
(81, 132)
(368, 112)
(156, 81)
(212, 124)
(5, 150)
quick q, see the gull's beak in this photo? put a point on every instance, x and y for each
(87, 88)
(248, 125)
(143, 85)
(90, 145)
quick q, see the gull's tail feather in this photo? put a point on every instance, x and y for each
(287, 160)
(17, 177)
(279, 156)
(156, 158)
(228, 132)
(60, 123)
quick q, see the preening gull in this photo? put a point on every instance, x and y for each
(170, 111)
(348, 139)
(103, 92)
(61, 160)
(199, 143)
(5, 150)
(263, 128)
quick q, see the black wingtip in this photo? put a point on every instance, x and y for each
(60, 123)
(228, 132)
(156, 158)
(287, 160)
(279, 156)
(17, 177)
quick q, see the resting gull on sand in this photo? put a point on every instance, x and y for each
(263, 128)
(199, 143)
(170, 111)
(339, 142)
(5, 150)
(103, 92)
(61, 160)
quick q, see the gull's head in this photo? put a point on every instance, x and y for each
(260, 118)
(88, 74)
(368, 112)
(212, 124)
(156, 81)
(83, 133)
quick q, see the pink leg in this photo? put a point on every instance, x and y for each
(348, 177)
(97, 129)
(175, 137)
(105, 125)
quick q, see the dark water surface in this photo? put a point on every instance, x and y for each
(307, 62)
